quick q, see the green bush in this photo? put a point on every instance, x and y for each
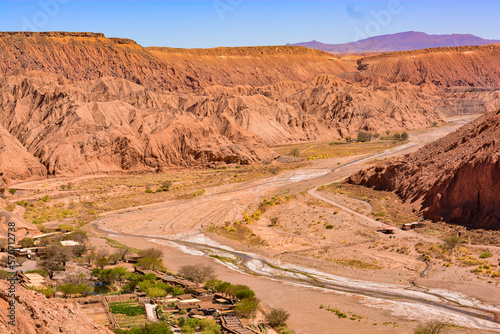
(486, 255)
(329, 227)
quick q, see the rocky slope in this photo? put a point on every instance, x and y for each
(23, 228)
(111, 125)
(455, 178)
(403, 41)
(81, 103)
(37, 315)
(89, 56)
(470, 66)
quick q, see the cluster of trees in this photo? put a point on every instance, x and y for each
(248, 303)
(69, 289)
(193, 325)
(153, 289)
(56, 256)
(364, 136)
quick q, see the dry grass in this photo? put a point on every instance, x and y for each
(386, 206)
(89, 198)
(358, 264)
(240, 233)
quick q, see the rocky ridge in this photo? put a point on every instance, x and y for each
(454, 179)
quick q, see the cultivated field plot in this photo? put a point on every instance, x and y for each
(326, 150)
(95, 312)
(128, 313)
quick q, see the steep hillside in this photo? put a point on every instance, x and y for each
(255, 66)
(455, 178)
(37, 315)
(15, 161)
(403, 41)
(325, 108)
(112, 125)
(89, 56)
(472, 66)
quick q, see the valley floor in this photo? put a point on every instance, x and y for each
(290, 221)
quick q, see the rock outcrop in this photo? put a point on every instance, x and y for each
(89, 56)
(35, 314)
(22, 227)
(469, 66)
(455, 179)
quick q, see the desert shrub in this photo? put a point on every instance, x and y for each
(155, 328)
(486, 255)
(364, 136)
(47, 291)
(198, 273)
(431, 328)
(452, 241)
(405, 136)
(277, 318)
(295, 152)
(12, 191)
(5, 274)
(329, 227)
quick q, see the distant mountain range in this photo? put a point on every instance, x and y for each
(404, 41)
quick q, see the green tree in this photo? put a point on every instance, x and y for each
(12, 191)
(405, 136)
(155, 292)
(84, 290)
(101, 259)
(114, 258)
(396, 136)
(67, 289)
(150, 263)
(247, 307)
(27, 243)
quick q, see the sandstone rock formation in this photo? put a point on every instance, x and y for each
(88, 56)
(454, 179)
(470, 66)
(81, 103)
(35, 314)
(23, 228)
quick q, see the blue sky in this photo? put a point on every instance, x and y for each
(212, 23)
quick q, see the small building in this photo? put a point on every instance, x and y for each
(414, 225)
(69, 243)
